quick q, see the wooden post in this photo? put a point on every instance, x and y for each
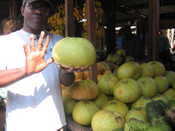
(153, 29)
(69, 22)
(91, 32)
(13, 9)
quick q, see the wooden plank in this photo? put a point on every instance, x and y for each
(154, 12)
(91, 32)
(69, 24)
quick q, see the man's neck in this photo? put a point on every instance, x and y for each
(36, 32)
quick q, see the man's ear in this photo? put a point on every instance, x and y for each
(22, 11)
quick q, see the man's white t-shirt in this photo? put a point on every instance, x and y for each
(34, 102)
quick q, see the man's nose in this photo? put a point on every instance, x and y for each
(39, 11)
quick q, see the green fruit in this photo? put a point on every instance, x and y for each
(137, 114)
(136, 125)
(101, 100)
(116, 106)
(127, 91)
(120, 52)
(147, 70)
(160, 127)
(102, 67)
(109, 58)
(169, 94)
(107, 82)
(129, 58)
(173, 85)
(148, 86)
(83, 112)
(74, 52)
(104, 120)
(84, 90)
(170, 75)
(141, 103)
(158, 67)
(162, 83)
(69, 105)
(129, 70)
(160, 97)
(118, 59)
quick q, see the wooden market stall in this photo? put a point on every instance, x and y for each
(154, 18)
(116, 13)
(147, 15)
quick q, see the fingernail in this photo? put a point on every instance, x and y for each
(48, 37)
(42, 33)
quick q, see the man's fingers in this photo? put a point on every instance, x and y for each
(32, 44)
(40, 41)
(50, 60)
(45, 64)
(46, 44)
(26, 49)
(76, 69)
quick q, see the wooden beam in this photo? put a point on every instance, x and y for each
(91, 20)
(69, 23)
(167, 23)
(154, 16)
(91, 32)
(12, 9)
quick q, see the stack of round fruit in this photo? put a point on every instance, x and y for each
(119, 99)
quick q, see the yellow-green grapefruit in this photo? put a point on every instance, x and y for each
(74, 52)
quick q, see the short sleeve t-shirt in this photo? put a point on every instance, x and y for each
(34, 102)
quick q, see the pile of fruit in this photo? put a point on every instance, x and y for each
(130, 96)
(56, 21)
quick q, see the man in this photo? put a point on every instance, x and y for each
(28, 73)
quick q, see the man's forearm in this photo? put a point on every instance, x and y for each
(9, 76)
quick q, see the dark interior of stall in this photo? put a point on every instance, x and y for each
(112, 17)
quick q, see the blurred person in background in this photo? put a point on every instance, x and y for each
(120, 39)
(164, 48)
(8, 25)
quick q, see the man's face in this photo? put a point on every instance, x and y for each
(35, 16)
